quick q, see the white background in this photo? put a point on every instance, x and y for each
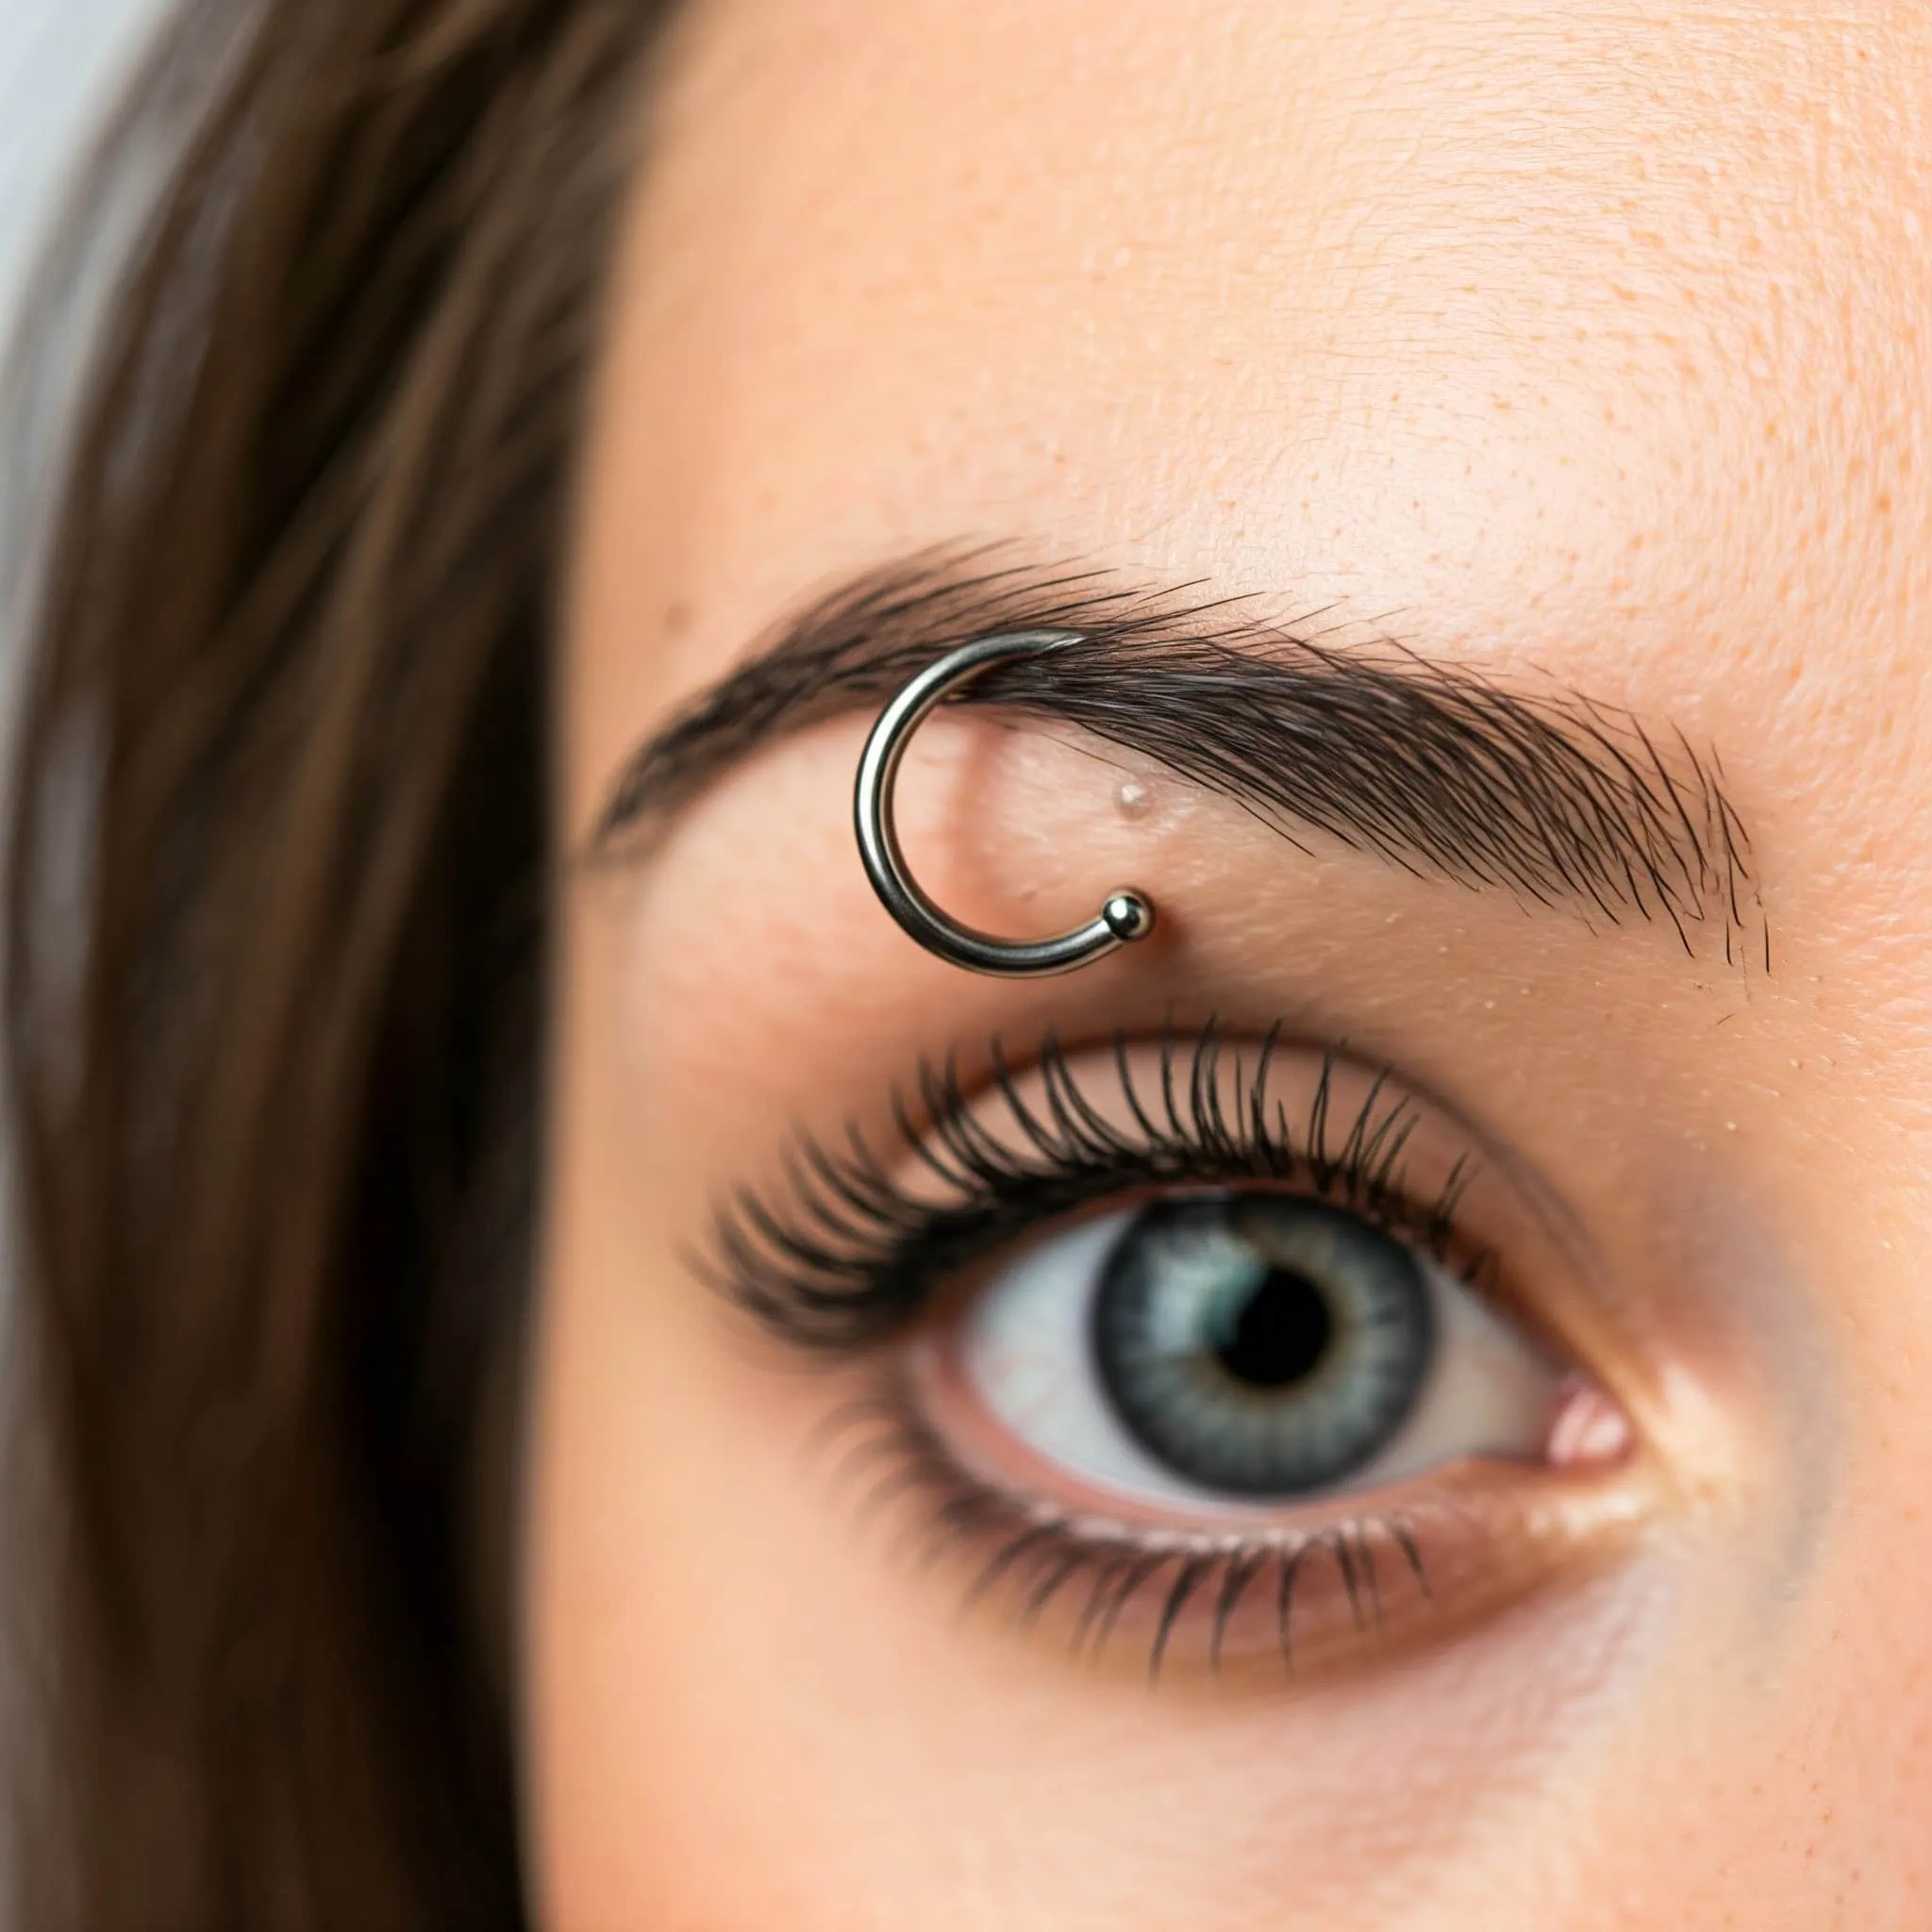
(58, 61)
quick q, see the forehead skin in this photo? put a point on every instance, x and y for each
(1581, 339)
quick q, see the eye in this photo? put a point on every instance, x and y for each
(1250, 1351)
(1223, 1351)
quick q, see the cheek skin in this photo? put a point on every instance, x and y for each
(1584, 341)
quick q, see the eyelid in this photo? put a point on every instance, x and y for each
(858, 1240)
(855, 1244)
(1336, 1586)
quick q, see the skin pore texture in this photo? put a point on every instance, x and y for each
(1582, 346)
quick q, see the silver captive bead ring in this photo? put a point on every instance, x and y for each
(1124, 915)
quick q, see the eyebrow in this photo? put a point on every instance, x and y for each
(1431, 766)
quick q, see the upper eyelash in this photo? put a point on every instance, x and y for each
(849, 1255)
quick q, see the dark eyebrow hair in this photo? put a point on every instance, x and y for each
(1429, 765)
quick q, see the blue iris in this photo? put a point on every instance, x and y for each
(1260, 1344)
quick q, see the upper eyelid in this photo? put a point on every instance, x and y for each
(1427, 765)
(770, 1259)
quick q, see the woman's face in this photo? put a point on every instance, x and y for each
(1168, 1482)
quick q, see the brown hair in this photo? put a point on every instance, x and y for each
(274, 962)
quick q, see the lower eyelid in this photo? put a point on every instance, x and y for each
(1332, 1588)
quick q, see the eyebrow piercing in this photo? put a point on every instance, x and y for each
(1125, 914)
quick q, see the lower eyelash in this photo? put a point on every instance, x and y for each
(1032, 1557)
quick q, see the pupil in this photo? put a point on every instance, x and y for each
(1281, 1334)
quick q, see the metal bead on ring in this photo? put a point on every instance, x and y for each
(1125, 915)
